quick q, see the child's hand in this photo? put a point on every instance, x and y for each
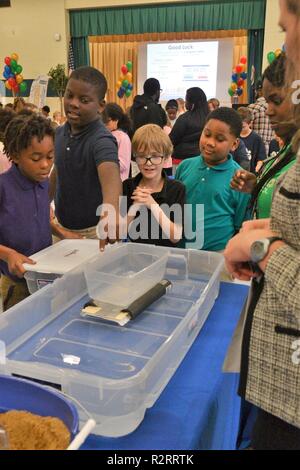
(66, 234)
(15, 262)
(243, 181)
(143, 196)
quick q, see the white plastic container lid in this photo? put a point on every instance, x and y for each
(63, 256)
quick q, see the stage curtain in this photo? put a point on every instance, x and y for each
(255, 55)
(108, 53)
(190, 16)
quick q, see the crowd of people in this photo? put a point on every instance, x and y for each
(232, 175)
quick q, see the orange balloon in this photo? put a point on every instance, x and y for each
(15, 56)
(128, 76)
(234, 86)
(19, 78)
(119, 83)
(8, 86)
(278, 52)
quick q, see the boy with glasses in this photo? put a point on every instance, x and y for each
(154, 203)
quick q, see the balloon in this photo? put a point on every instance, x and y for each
(239, 91)
(124, 69)
(239, 68)
(240, 82)
(234, 77)
(7, 69)
(243, 60)
(123, 89)
(23, 87)
(119, 83)
(6, 75)
(125, 83)
(16, 88)
(283, 48)
(129, 65)
(15, 56)
(234, 86)
(7, 60)
(128, 76)
(244, 75)
(278, 52)
(230, 91)
(13, 65)
(128, 93)
(12, 82)
(130, 87)
(19, 69)
(7, 85)
(271, 56)
(19, 78)
(120, 93)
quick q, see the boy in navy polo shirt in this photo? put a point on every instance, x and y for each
(86, 172)
(207, 181)
(24, 201)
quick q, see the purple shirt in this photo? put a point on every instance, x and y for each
(24, 215)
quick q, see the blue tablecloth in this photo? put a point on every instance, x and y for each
(199, 408)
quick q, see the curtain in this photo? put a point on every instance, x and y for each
(81, 51)
(190, 16)
(255, 59)
(108, 53)
(109, 57)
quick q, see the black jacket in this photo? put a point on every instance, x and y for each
(146, 111)
(185, 136)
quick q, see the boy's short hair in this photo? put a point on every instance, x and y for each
(151, 138)
(6, 115)
(46, 109)
(246, 114)
(151, 86)
(230, 117)
(172, 104)
(21, 130)
(92, 76)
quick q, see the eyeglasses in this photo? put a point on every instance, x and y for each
(153, 159)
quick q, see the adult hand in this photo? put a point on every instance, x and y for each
(15, 262)
(263, 224)
(243, 181)
(237, 252)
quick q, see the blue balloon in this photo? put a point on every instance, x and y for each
(121, 92)
(244, 75)
(6, 75)
(239, 91)
(283, 48)
(130, 87)
(234, 77)
(7, 69)
(123, 89)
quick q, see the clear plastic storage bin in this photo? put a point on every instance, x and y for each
(56, 260)
(115, 372)
(126, 274)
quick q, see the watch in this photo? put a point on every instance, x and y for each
(260, 248)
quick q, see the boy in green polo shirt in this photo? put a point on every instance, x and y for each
(213, 208)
